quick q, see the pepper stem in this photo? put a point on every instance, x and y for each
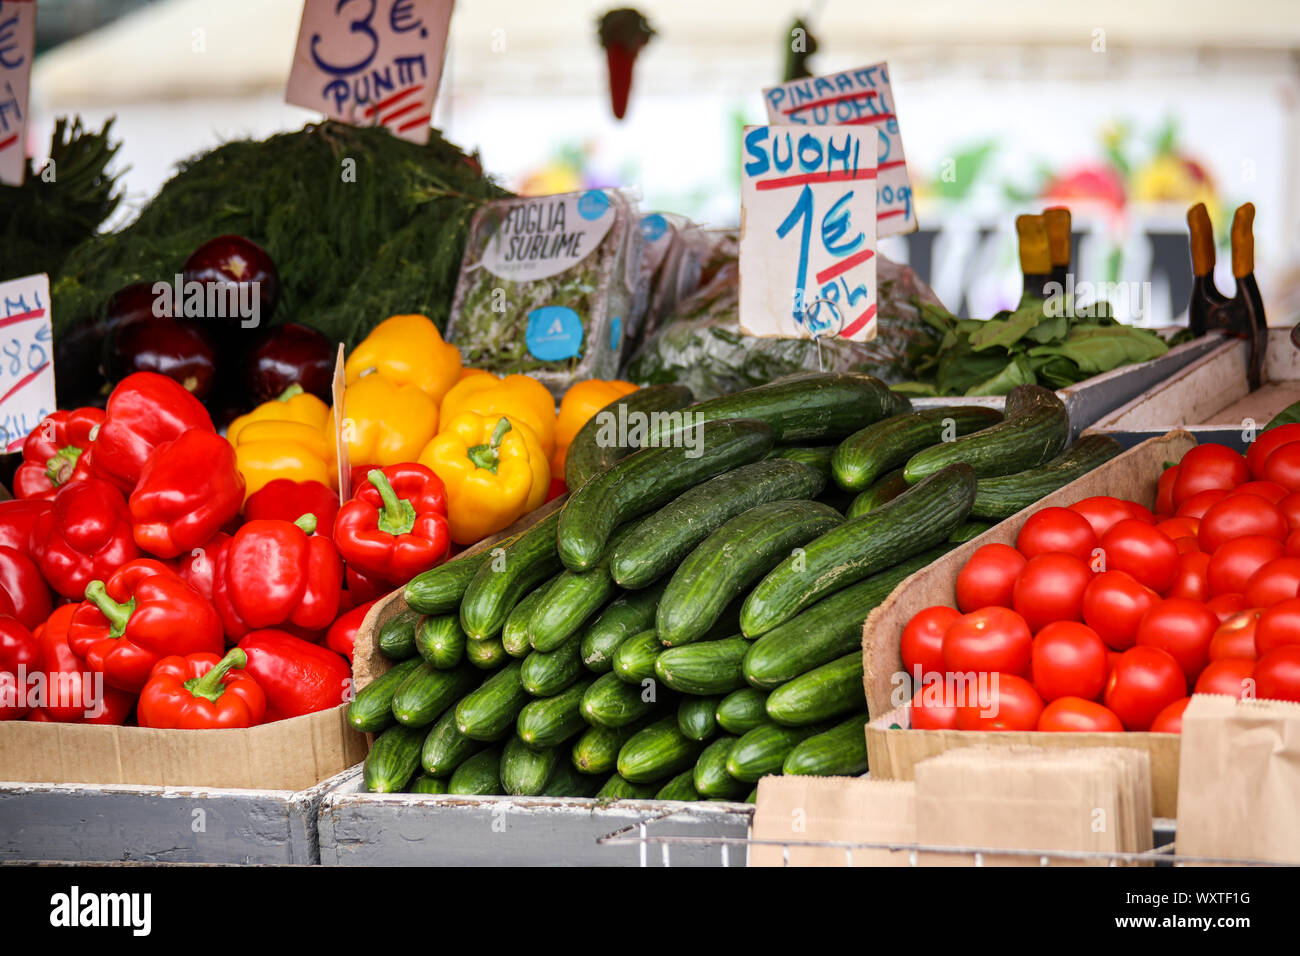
(290, 392)
(489, 456)
(60, 465)
(307, 522)
(210, 684)
(118, 614)
(397, 516)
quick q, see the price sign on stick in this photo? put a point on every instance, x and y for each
(808, 232)
(371, 62)
(17, 43)
(860, 97)
(26, 358)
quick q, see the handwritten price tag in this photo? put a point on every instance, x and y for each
(371, 62)
(26, 358)
(860, 97)
(17, 42)
(808, 232)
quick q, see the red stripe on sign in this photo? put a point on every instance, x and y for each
(859, 322)
(400, 111)
(390, 100)
(16, 444)
(892, 164)
(815, 178)
(6, 143)
(22, 317)
(863, 120)
(844, 265)
(419, 120)
(891, 213)
(23, 382)
(863, 94)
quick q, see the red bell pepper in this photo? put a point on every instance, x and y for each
(395, 526)
(296, 676)
(199, 566)
(54, 452)
(277, 573)
(86, 535)
(188, 489)
(72, 693)
(144, 613)
(19, 658)
(359, 588)
(145, 410)
(343, 632)
(17, 518)
(287, 500)
(23, 587)
(201, 692)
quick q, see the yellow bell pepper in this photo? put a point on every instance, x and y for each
(293, 405)
(580, 403)
(407, 350)
(494, 470)
(384, 423)
(517, 396)
(283, 438)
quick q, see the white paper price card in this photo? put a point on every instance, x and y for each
(17, 44)
(26, 358)
(371, 62)
(860, 97)
(808, 232)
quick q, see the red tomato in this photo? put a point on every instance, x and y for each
(1233, 563)
(1265, 489)
(1233, 676)
(1006, 702)
(1266, 443)
(1208, 467)
(988, 577)
(1076, 715)
(1113, 605)
(1283, 466)
(1056, 529)
(1103, 511)
(1183, 628)
(1193, 577)
(1290, 508)
(1279, 580)
(1196, 506)
(1170, 720)
(1277, 674)
(1050, 588)
(922, 641)
(1112, 658)
(990, 639)
(1165, 490)
(1144, 682)
(1235, 637)
(1291, 547)
(1237, 516)
(1143, 551)
(929, 709)
(1068, 660)
(1226, 605)
(1179, 527)
(1278, 625)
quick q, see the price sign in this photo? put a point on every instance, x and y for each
(26, 358)
(808, 232)
(860, 97)
(17, 43)
(371, 62)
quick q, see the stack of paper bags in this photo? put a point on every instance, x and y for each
(795, 810)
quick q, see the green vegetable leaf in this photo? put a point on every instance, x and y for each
(1056, 371)
(1050, 331)
(1097, 349)
(961, 369)
(1017, 372)
(1287, 416)
(924, 389)
(1004, 333)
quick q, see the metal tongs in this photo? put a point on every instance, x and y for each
(1243, 314)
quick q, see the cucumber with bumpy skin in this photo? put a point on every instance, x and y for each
(524, 771)
(616, 788)
(590, 452)
(445, 747)
(440, 641)
(626, 615)
(427, 692)
(393, 760)
(396, 638)
(657, 751)
(816, 457)
(839, 752)
(610, 702)
(514, 633)
(423, 783)
(680, 787)
(486, 655)
(550, 721)
(697, 716)
(478, 776)
(706, 668)
(439, 590)
(742, 710)
(868, 454)
(596, 751)
(570, 602)
(886, 489)
(372, 709)
(567, 782)
(711, 777)
(763, 750)
(546, 673)
(513, 569)
(491, 710)
(968, 530)
(820, 694)
(1001, 497)
(634, 660)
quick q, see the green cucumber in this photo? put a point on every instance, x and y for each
(753, 796)
(920, 518)
(423, 783)
(514, 633)
(570, 602)
(710, 775)
(828, 629)
(428, 691)
(707, 668)
(626, 615)
(439, 590)
(969, 529)
(550, 721)
(680, 787)
(998, 498)
(816, 457)
(742, 710)
(524, 771)
(516, 567)
(696, 716)
(596, 751)
(393, 760)
(545, 674)
(445, 747)
(657, 751)
(727, 562)
(488, 712)
(486, 655)
(440, 640)
(868, 454)
(839, 752)
(634, 660)
(886, 489)
(396, 639)
(595, 448)
(372, 709)
(648, 479)
(567, 782)
(616, 788)
(1034, 429)
(658, 542)
(479, 775)
(610, 702)
(763, 750)
(822, 693)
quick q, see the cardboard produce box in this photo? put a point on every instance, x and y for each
(892, 752)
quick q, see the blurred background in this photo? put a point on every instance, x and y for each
(1126, 111)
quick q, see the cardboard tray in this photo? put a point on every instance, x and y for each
(891, 753)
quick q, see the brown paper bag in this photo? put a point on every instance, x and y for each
(1239, 779)
(792, 810)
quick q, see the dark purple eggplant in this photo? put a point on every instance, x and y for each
(234, 259)
(178, 348)
(289, 354)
